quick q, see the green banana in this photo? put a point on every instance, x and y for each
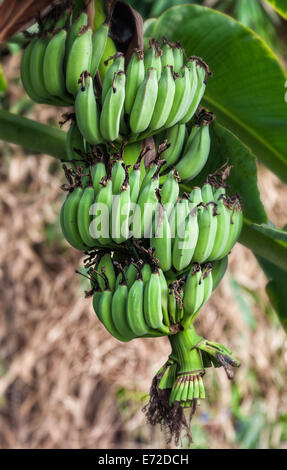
(146, 207)
(118, 176)
(73, 32)
(101, 209)
(68, 219)
(112, 107)
(119, 309)
(117, 66)
(83, 216)
(86, 110)
(145, 100)
(222, 232)
(175, 137)
(199, 92)
(161, 239)
(99, 42)
(185, 241)
(207, 193)
(164, 298)
(135, 73)
(170, 191)
(164, 101)
(79, 59)
(193, 294)
(236, 221)
(98, 173)
(152, 304)
(207, 283)
(181, 97)
(106, 266)
(25, 73)
(105, 315)
(36, 69)
(218, 270)
(135, 313)
(120, 214)
(152, 57)
(207, 224)
(178, 57)
(195, 153)
(53, 66)
(167, 58)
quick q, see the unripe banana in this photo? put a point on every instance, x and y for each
(222, 232)
(99, 41)
(199, 92)
(135, 312)
(117, 65)
(144, 103)
(178, 57)
(145, 210)
(105, 315)
(79, 60)
(152, 304)
(68, 219)
(152, 57)
(83, 216)
(172, 306)
(170, 191)
(178, 216)
(207, 224)
(167, 57)
(87, 111)
(98, 173)
(236, 221)
(207, 193)
(181, 97)
(73, 32)
(36, 69)
(165, 96)
(185, 241)
(25, 72)
(161, 240)
(207, 283)
(131, 275)
(218, 271)
(175, 137)
(193, 293)
(112, 108)
(118, 176)
(101, 209)
(120, 215)
(134, 76)
(106, 266)
(119, 308)
(164, 298)
(195, 196)
(195, 154)
(53, 66)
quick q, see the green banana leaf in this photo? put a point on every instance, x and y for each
(276, 288)
(280, 6)
(247, 89)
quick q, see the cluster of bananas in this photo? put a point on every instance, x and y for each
(155, 91)
(123, 204)
(139, 301)
(55, 58)
(114, 205)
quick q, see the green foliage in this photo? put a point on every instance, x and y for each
(280, 6)
(247, 91)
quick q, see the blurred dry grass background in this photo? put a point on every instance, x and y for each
(64, 381)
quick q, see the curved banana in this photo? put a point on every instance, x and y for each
(193, 293)
(152, 57)
(86, 110)
(175, 137)
(185, 241)
(145, 100)
(207, 224)
(170, 191)
(161, 240)
(99, 42)
(181, 97)
(73, 32)
(112, 107)
(152, 304)
(83, 216)
(101, 209)
(135, 73)
(119, 312)
(135, 312)
(117, 65)
(79, 59)
(164, 101)
(68, 219)
(167, 58)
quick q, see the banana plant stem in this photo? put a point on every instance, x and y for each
(32, 135)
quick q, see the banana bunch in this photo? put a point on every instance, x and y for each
(202, 226)
(154, 91)
(137, 300)
(56, 57)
